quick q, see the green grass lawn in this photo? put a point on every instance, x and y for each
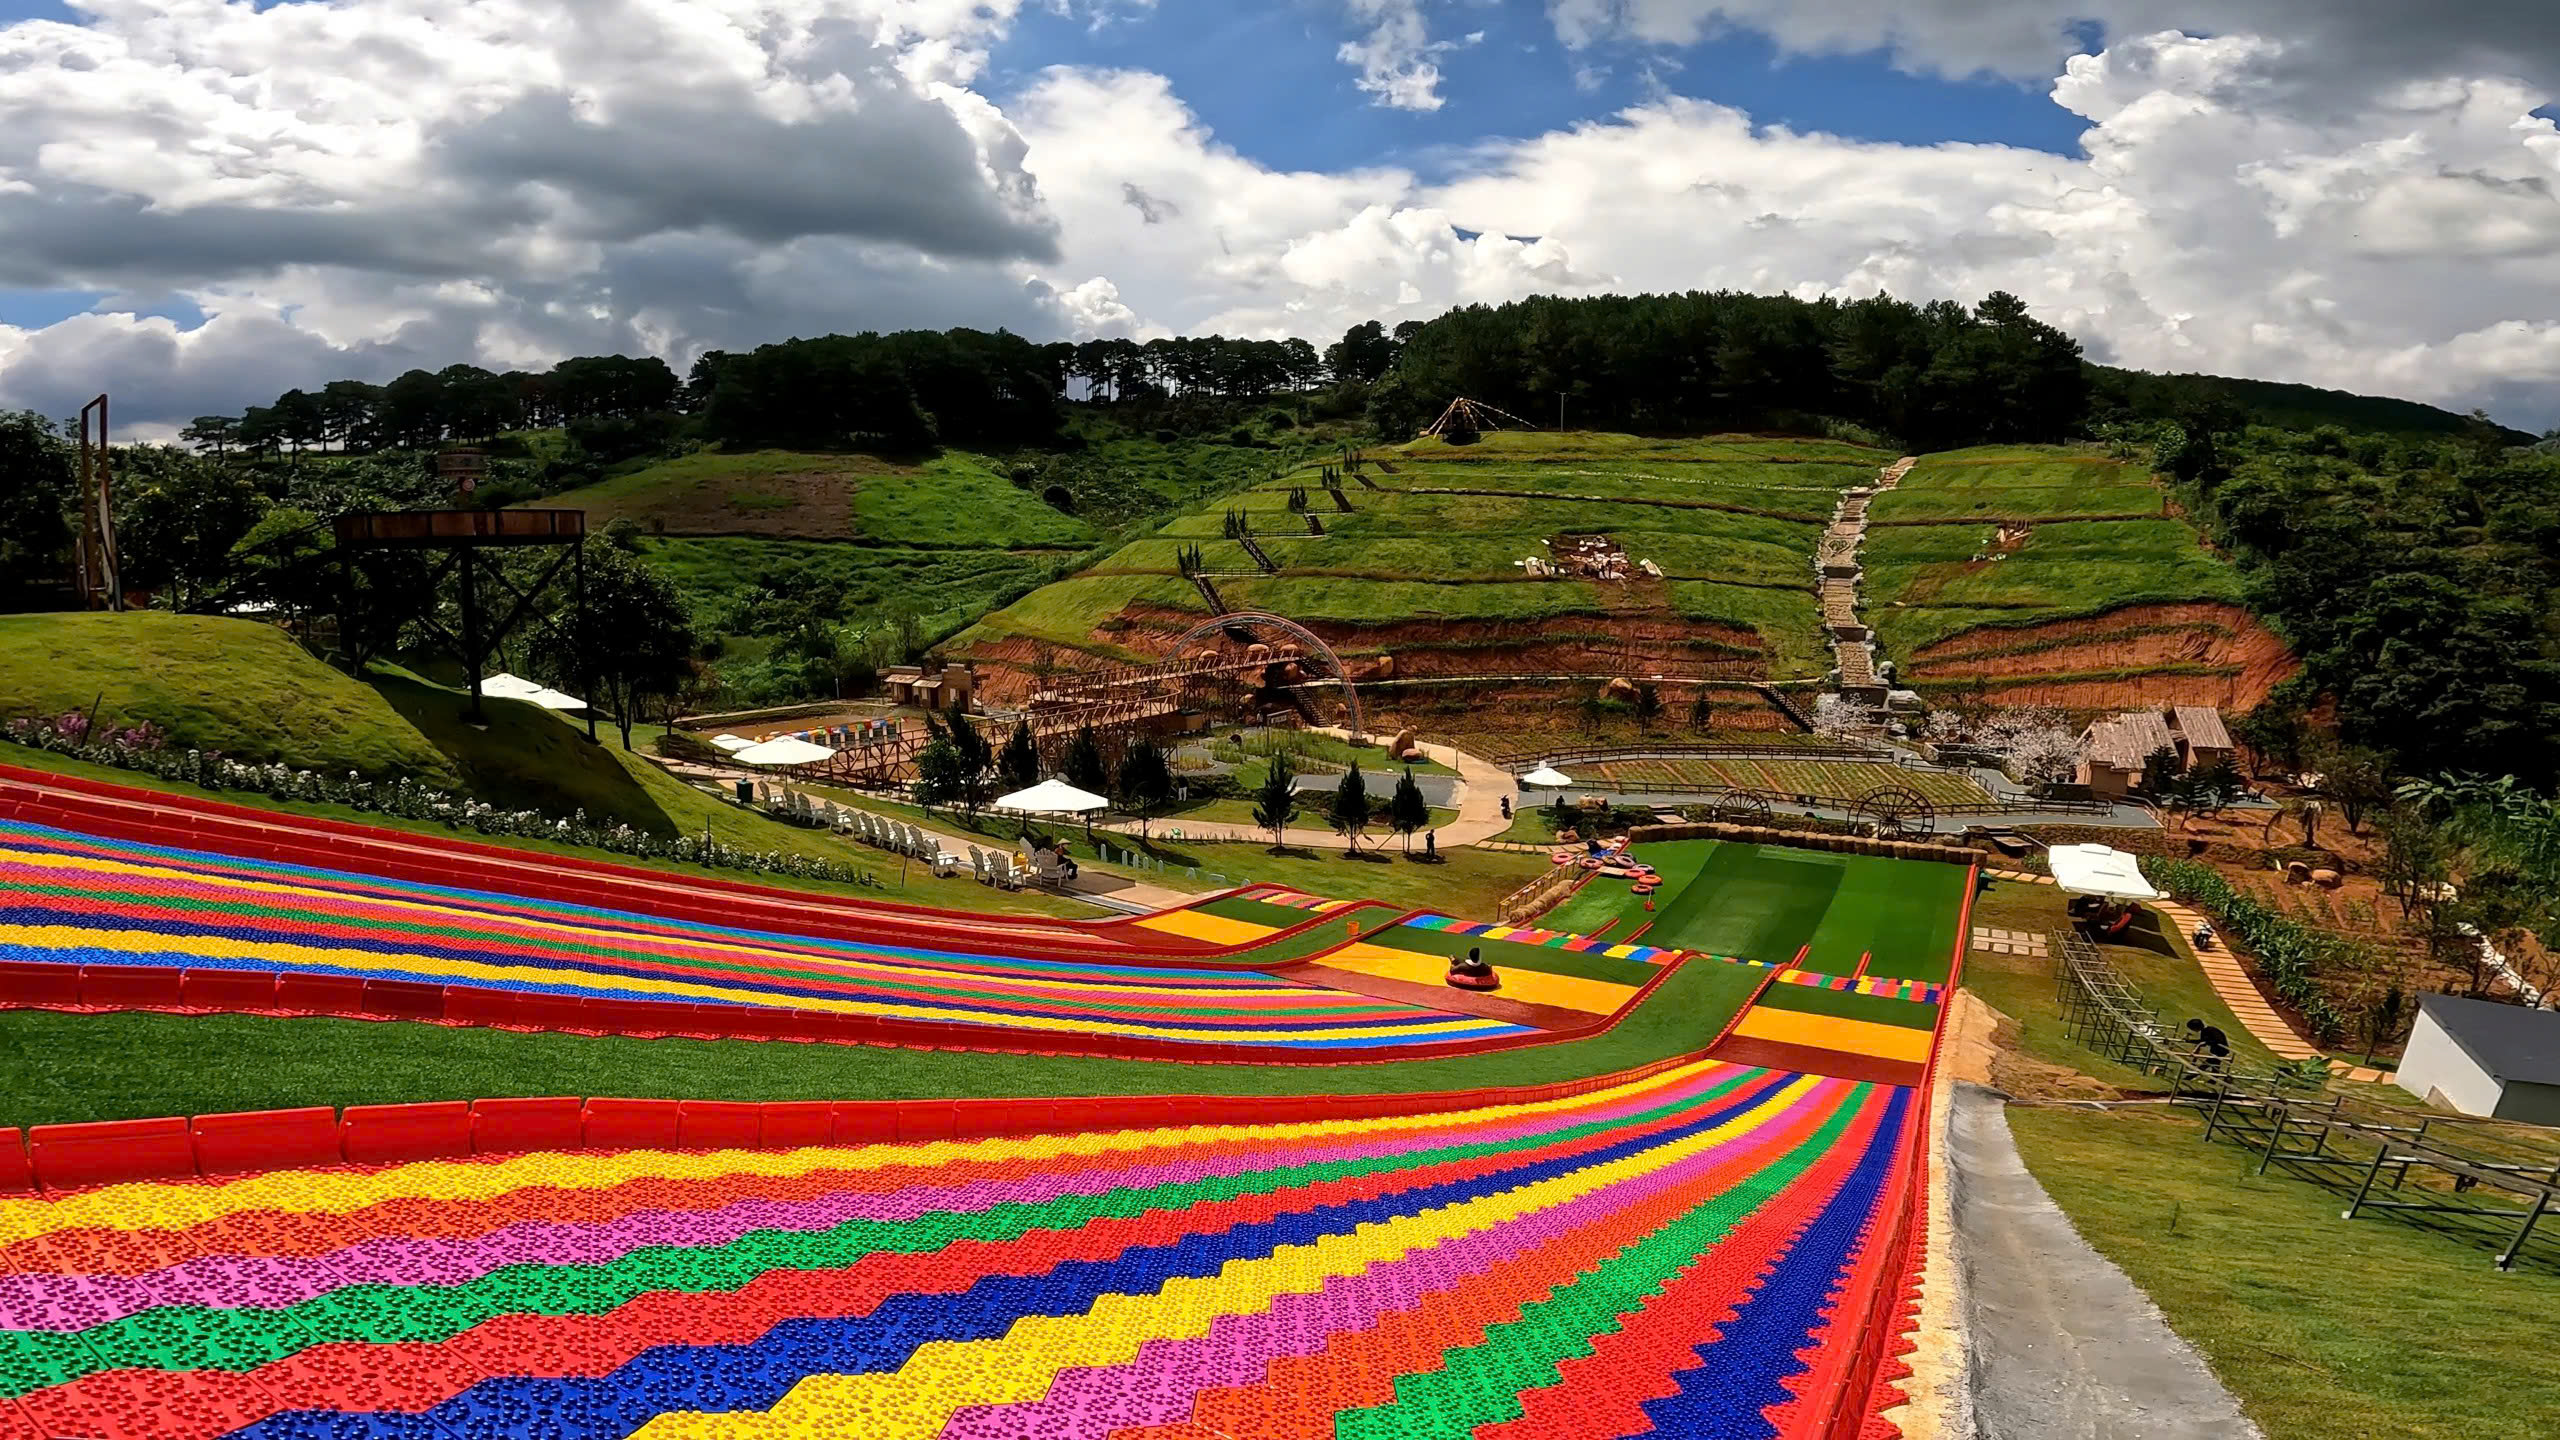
(2326, 1329)
(952, 500)
(1923, 586)
(101, 1067)
(2023, 988)
(237, 686)
(2017, 482)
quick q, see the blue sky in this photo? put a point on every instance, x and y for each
(1266, 78)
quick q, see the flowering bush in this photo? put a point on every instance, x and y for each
(145, 749)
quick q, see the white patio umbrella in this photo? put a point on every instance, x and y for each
(2099, 870)
(550, 699)
(784, 752)
(1052, 797)
(503, 686)
(1546, 775)
(731, 743)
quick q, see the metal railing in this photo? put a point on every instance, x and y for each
(2371, 1154)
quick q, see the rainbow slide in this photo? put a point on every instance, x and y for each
(1666, 1255)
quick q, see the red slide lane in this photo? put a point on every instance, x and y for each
(187, 821)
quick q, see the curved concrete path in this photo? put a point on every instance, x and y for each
(1483, 788)
(2064, 1346)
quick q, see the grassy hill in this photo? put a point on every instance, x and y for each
(756, 539)
(247, 690)
(242, 688)
(2056, 576)
(1426, 557)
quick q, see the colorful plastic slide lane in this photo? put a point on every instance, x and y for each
(74, 899)
(1657, 1257)
(199, 822)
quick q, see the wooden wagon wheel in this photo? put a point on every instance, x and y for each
(1895, 811)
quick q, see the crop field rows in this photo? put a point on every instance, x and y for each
(1823, 779)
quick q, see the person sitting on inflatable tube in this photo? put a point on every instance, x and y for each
(1472, 973)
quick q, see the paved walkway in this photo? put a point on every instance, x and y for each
(1482, 786)
(1108, 889)
(2064, 1346)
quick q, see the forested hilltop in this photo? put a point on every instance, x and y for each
(2405, 551)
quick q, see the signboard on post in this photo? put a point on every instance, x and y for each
(464, 468)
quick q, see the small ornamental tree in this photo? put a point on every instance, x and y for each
(1702, 710)
(1407, 811)
(937, 774)
(1020, 762)
(1146, 782)
(1276, 803)
(1349, 813)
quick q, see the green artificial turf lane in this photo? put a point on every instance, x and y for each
(1255, 912)
(1850, 1005)
(1753, 902)
(1514, 955)
(62, 1067)
(1901, 912)
(1601, 901)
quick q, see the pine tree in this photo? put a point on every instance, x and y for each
(1020, 762)
(1349, 814)
(1276, 803)
(1702, 710)
(937, 774)
(1146, 781)
(1407, 811)
(1084, 768)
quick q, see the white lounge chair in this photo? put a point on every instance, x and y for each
(978, 864)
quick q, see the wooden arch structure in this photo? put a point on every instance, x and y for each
(1312, 643)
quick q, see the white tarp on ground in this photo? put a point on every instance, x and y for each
(1546, 775)
(1052, 797)
(503, 686)
(2099, 870)
(785, 751)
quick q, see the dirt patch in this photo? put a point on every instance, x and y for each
(815, 504)
(2215, 655)
(2137, 635)
(1641, 643)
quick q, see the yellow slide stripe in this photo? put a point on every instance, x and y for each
(1201, 925)
(848, 965)
(1832, 1032)
(153, 1205)
(1537, 987)
(945, 1375)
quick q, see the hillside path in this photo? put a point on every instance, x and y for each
(1483, 784)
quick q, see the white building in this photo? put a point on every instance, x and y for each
(2482, 1058)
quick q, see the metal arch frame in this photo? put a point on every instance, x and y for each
(1254, 619)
